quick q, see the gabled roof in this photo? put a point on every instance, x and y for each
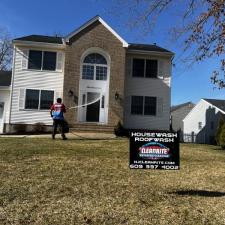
(41, 38)
(5, 78)
(147, 47)
(59, 42)
(175, 107)
(219, 103)
(93, 20)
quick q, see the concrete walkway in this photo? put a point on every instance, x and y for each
(74, 135)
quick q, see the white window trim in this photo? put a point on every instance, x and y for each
(42, 60)
(39, 102)
(157, 76)
(95, 65)
(101, 52)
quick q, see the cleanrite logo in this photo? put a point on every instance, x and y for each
(154, 150)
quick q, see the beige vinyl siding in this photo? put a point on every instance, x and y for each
(156, 87)
(32, 79)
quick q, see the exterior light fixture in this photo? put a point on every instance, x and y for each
(116, 95)
(70, 93)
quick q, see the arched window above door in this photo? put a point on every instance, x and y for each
(94, 67)
(95, 58)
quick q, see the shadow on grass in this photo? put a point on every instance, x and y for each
(201, 193)
(217, 148)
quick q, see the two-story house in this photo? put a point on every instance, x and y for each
(131, 82)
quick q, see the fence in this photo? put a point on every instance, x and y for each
(191, 138)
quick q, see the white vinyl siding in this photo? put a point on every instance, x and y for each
(139, 86)
(198, 122)
(33, 79)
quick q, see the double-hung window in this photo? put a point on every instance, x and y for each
(42, 60)
(38, 99)
(150, 106)
(145, 68)
(143, 105)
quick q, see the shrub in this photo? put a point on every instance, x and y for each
(120, 130)
(222, 137)
(218, 131)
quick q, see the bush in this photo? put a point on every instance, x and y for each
(218, 131)
(222, 137)
(120, 130)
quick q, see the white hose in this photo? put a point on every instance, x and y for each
(79, 106)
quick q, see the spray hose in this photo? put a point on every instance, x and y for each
(79, 106)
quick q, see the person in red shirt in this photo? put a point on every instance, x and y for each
(57, 113)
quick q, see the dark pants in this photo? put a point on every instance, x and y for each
(57, 123)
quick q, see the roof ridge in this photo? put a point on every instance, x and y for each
(214, 99)
(175, 107)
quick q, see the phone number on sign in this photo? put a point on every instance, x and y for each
(165, 167)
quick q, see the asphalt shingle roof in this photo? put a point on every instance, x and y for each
(5, 78)
(41, 38)
(146, 47)
(219, 103)
(175, 107)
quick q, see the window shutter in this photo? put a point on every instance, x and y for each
(59, 64)
(160, 69)
(25, 59)
(159, 106)
(21, 99)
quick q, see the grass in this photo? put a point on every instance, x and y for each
(89, 182)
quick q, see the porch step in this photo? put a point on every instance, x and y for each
(90, 127)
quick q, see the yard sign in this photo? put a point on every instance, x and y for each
(154, 150)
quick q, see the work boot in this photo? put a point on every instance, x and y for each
(64, 137)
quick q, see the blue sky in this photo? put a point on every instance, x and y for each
(27, 17)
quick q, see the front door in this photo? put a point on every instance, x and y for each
(1, 116)
(92, 113)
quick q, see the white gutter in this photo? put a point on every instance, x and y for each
(145, 52)
(39, 44)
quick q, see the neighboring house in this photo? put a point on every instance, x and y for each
(178, 113)
(130, 82)
(201, 123)
(5, 82)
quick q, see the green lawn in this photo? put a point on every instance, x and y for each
(89, 182)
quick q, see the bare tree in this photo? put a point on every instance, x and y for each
(201, 27)
(5, 50)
